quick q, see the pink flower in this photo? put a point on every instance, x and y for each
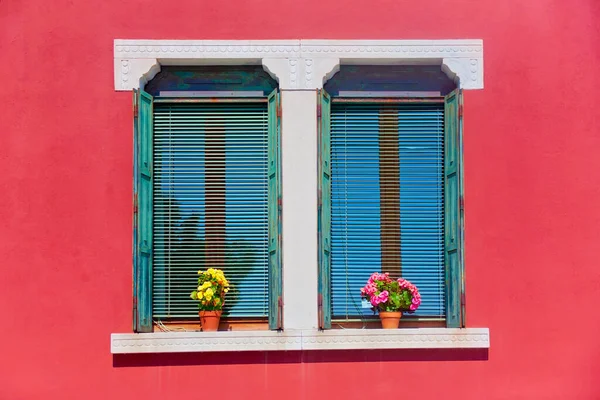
(376, 276)
(382, 281)
(383, 296)
(403, 283)
(372, 278)
(370, 289)
(375, 301)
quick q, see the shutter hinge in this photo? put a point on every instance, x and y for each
(320, 312)
(135, 314)
(135, 204)
(463, 317)
(279, 313)
(460, 111)
(461, 202)
(319, 111)
(135, 103)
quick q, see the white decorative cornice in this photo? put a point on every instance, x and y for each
(296, 64)
(392, 49)
(207, 49)
(335, 339)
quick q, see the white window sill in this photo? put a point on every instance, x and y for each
(347, 339)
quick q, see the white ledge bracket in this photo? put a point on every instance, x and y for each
(348, 339)
(301, 73)
(135, 73)
(297, 64)
(466, 72)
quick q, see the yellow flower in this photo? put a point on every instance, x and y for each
(226, 290)
(205, 285)
(199, 295)
(194, 295)
(208, 292)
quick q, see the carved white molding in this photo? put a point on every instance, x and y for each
(134, 73)
(297, 64)
(301, 73)
(347, 339)
(466, 72)
(284, 70)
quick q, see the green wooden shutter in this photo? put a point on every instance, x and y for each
(274, 177)
(324, 112)
(142, 257)
(454, 210)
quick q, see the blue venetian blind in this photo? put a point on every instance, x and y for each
(387, 201)
(210, 204)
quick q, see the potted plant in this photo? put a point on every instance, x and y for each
(390, 297)
(210, 294)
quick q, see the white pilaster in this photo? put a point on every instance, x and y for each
(299, 219)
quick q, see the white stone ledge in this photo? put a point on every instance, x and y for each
(338, 339)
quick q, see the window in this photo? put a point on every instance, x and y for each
(388, 68)
(390, 200)
(207, 195)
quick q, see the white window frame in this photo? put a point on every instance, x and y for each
(301, 67)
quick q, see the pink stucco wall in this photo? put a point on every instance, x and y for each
(532, 139)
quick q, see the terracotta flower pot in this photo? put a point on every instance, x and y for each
(390, 320)
(209, 320)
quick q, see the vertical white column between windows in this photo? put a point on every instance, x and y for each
(299, 79)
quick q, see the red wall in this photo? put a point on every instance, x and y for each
(532, 139)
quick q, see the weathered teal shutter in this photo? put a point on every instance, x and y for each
(275, 276)
(454, 210)
(142, 228)
(324, 113)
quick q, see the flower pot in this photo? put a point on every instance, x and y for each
(209, 320)
(390, 320)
